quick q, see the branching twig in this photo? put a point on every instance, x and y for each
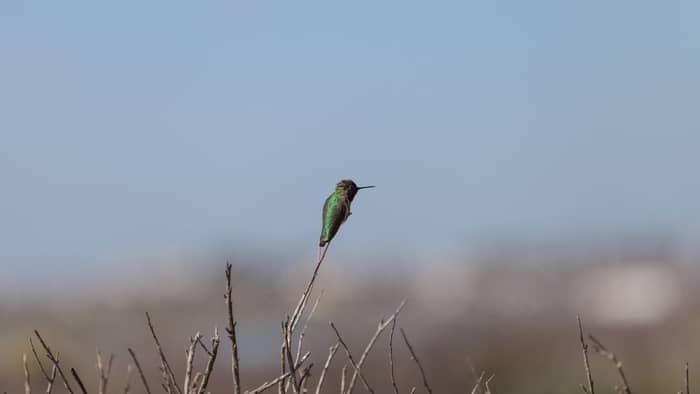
(600, 349)
(584, 349)
(54, 360)
(231, 332)
(49, 379)
(477, 385)
(488, 388)
(382, 325)
(138, 367)
(167, 370)
(103, 376)
(331, 352)
(187, 385)
(415, 358)
(215, 340)
(306, 373)
(352, 361)
(292, 367)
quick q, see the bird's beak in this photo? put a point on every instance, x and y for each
(365, 187)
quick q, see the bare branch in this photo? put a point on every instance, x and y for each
(477, 386)
(306, 373)
(299, 310)
(382, 325)
(189, 361)
(343, 375)
(687, 379)
(488, 389)
(391, 357)
(27, 385)
(601, 350)
(138, 367)
(54, 360)
(415, 358)
(290, 361)
(331, 352)
(584, 349)
(269, 384)
(306, 325)
(215, 340)
(231, 332)
(283, 365)
(77, 379)
(103, 375)
(127, 385)
(168, 372)
(38, 360)
(352, 361)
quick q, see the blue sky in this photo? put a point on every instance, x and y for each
(132, 125)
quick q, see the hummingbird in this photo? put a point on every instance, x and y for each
(336, 209)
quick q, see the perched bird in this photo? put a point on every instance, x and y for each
(336, 209)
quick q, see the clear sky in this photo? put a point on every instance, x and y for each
(129, 125)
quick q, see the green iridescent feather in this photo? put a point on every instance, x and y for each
(335, 212)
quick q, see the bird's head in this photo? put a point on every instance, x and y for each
(349, 188)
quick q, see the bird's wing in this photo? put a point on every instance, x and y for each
(334, 214)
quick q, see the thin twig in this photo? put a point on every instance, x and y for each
(352, 361)
(189, 361)
(127, 385)
(167, 370)
(54, 360)
(391, 356)
(331, 352)
(231, 332)
(78, 380)
(138, 367)
(299, 310)
(302, 333)
(38, 360)
(268, 385)
(600, 349)
(49, 379)
(290, 361)
(687, 379)
(584, 349)
(195, 381)
(283, 365)
(488, 388)
(380, 328)
(415, 358)
(215, 340)
(103, 376)
(306, 373)
(343, 375)
(27, 385)
(477, 386)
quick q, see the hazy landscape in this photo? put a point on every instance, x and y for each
(510, 312)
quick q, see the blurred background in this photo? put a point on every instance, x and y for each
(533, 160)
